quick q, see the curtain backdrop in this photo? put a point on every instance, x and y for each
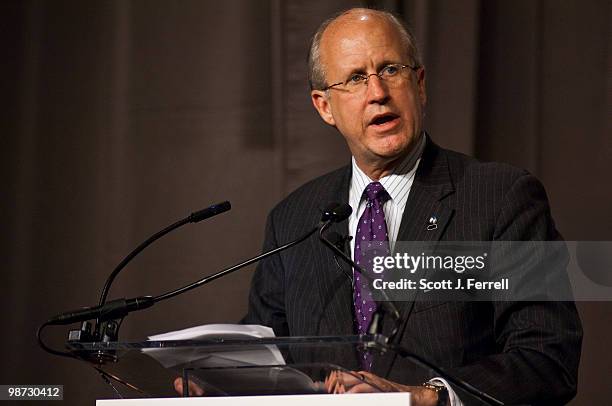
(121, 117)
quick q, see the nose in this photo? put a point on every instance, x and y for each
(377, 90)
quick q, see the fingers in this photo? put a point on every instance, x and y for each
(351, 379)
(359, 382)
(334, 382)
(365, 382)
(348, 382)
(194, 390)
(327, 380)
(178, 386)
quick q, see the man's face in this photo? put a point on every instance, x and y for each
(380, 123)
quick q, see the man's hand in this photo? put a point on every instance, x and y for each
(194, 390)
(366, 382)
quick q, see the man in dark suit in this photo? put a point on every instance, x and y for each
(368, 82)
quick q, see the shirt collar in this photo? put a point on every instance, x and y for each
(397, 183)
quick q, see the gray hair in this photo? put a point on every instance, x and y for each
(316, 71)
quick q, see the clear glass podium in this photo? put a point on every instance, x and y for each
(247, 367)
(227, 366)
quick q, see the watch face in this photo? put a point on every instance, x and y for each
(435, 385)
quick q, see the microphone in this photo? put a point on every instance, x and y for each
(337, 212)
(334, 212)
(209, 212)
(115, 309)
(119, 308)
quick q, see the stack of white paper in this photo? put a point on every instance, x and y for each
(200, 356)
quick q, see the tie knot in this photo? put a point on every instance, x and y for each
(376, 191)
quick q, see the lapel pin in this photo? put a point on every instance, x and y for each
(433, 223)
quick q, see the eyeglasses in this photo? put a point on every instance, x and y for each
(357, 82)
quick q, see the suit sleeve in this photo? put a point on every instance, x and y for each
(538, 342)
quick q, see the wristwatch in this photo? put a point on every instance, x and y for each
(440, 390)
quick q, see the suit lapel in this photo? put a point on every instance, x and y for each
(431, 185)
(424, 209)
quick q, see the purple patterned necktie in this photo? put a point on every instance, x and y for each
(371, 240)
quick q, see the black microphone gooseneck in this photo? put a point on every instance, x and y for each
(121, 307)
(192, 218)
(236, 267)
(337, 212)
(105, 313)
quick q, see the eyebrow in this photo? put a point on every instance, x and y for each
(379, 67)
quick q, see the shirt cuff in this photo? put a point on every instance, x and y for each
(453, 399)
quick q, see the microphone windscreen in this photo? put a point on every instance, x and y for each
(342, 212)
(210, 211)
(336, 212)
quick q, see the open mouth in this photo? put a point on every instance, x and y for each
(383, 119)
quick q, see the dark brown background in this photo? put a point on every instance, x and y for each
(121, 117)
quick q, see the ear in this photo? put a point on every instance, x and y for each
(421, 86)
(320, 102)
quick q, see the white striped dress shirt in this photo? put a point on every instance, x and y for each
(397, 184)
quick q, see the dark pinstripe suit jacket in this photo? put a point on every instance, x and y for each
(519, 352)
